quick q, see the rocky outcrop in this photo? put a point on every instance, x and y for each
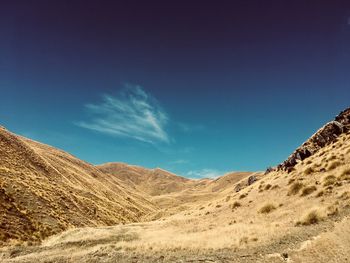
(252, 179)
(324, 136)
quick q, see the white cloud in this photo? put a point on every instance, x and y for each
(204, 173)
(132, 113)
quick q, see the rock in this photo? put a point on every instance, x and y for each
(237, 188)
(252, 179)
(324, 136)
(269, 170)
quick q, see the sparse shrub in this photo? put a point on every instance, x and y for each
(295, 188)
(345, 174)
(321, 153)
(228, 198)
(329, 180)
(242, 196)
(243, 241)
(267, 187)
(320, 193)
(345, 196)
(218, 206)
(308, 170)
(308, 190)
(235, 205)
(312, 217)
(332, 157)
(333, 165)
(275, 187)
(267, 208)
(291, 181)
(332, 210)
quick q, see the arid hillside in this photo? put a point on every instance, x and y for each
(152, 182)
(172, 192)
(44, 191)
(299, 214)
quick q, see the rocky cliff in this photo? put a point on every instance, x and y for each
(324, 136)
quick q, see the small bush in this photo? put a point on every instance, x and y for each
(235, 205)
(329, 180)
(308, 170)
(308, 190)
(345, 196)
(332, 157)
(333, 165)
(295, 188)
(267, 187)
(332, 210)
(312, 217)
(291, 181)
(267, 208)
(242, 196)
(345, 174)
(320, 193)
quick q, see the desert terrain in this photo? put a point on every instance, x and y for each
(57, 208)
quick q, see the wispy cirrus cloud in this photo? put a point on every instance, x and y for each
(204, 173)
(132, 113)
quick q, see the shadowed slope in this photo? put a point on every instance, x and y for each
(44, 190)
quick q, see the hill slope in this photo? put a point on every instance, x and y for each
(301, 215)
(150, 181)
(170, 191)
(44, 190)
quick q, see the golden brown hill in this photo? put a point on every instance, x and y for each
(150, 181)
(301, 216)
(44, 190)
(157, 182)
(172, 192)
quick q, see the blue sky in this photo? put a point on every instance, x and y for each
(199, 90)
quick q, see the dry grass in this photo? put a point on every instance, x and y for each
(308, 190)
(267, 208)
(268, 186)
(235, 205)
(243, 196)
(196, 228)
(345, 174)
(332, 210)
(333, 165)
(308, 170)
(320, 193)
(329, 180)
(312, 217)
(295, 188)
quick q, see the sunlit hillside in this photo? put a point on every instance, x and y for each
(295, 215)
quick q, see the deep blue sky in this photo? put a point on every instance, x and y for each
(195, 88)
